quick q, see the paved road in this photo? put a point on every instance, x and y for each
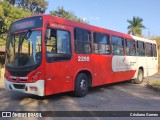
(116, 97)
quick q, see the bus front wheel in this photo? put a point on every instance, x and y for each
(81, 85)
(139, 78)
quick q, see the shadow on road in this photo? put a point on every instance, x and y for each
(117, 96)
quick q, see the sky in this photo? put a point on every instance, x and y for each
(113, 14)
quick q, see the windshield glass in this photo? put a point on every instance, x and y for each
(23, 49)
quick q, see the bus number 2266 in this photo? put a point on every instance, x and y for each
(83, 58)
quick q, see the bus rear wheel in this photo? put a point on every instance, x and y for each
(81, 85)
(139, 78)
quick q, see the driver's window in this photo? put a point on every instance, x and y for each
(58, 46)
(51, 43)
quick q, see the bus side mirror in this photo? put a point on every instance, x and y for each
(48, 33)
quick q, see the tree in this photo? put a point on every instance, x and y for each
(34, 6)
(12, 2)
(8, 15)
(136, 26)
(60, 12)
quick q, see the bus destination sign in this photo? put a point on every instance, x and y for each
(29, 23)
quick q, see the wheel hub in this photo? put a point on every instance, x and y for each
(140, 77)
(83, 85)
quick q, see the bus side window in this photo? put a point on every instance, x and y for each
(130, 47)
(82, 41)
(154, 50)
(51, 44)
(117, 45)
(58, 47)
(140, 48)
(149, 50)
(101, 43)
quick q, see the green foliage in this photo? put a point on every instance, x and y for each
(154, 84)
(8, 15)
(12, 2)
(66, 14)
(34, 6)
(135, 27)
(2, 42)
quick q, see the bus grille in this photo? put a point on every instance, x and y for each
(17, 86)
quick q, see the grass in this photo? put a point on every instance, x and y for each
(154, 84)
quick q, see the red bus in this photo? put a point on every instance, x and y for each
(47, 55)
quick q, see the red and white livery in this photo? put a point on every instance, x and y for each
(47, 55)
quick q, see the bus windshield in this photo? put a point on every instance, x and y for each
(23, 49)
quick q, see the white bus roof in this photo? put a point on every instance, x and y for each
(143, 39)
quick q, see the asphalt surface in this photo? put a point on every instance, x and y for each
(123, 96)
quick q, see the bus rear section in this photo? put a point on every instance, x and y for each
(147, 57)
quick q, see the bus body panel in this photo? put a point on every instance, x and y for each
(101, 64)
(124, 67)
(59, 77)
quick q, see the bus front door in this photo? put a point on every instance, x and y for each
(58, 61)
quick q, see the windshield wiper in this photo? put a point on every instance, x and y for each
(26, 36)
(21, 39)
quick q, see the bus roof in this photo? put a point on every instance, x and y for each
(143, 39)
(51, 18)
(84, 25)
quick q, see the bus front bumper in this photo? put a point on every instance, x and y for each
(36, 88)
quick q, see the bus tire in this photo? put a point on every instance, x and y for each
(81, 85)
(139, 78)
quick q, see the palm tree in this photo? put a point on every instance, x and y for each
(135, 27)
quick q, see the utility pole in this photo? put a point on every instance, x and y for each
(148, 33)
